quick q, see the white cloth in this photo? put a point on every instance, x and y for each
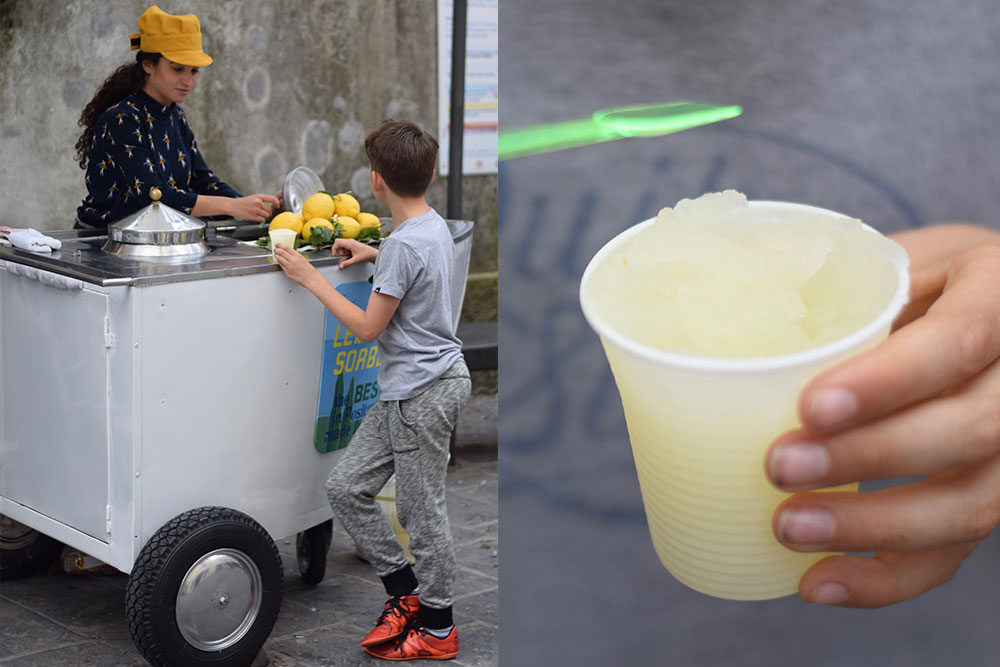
(33, 240)
(45, 277)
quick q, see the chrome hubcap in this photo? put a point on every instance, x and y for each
(218, 599)
(14, 535)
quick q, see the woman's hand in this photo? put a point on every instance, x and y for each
(353, 252)
(296, 266)
(255, 208)
(924, 402)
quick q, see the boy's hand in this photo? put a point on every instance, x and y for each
(924, 402)
(295, 265)
(353, 252)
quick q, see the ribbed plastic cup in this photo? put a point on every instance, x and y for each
(284, 237)
(699, 428)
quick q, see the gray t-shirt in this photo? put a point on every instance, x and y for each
(414, 265)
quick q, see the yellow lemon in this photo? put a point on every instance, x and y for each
(348, 226)
(368, 220)
(320, 205)
(315, 222)
(346, 205)
(286, 220)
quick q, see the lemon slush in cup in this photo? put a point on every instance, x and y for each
(713, 317)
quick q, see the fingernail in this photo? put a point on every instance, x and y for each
(805, 526)
(831, 407)
(829, 593)
(798, 463)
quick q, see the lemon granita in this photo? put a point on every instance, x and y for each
(713, 318)
(717, 277)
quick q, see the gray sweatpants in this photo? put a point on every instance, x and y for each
(408, 437)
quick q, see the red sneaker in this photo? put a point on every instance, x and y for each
(417, 644)
(398, 614)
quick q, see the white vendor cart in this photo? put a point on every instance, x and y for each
(158, 414)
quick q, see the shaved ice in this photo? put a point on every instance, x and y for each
(716, 277)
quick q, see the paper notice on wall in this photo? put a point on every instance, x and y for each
(482, 86)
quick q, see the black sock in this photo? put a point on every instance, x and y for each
(434, 619)
(400, 583)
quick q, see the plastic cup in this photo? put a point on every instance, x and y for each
(699, 429)
(283, 236)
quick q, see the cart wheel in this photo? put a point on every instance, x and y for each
(311, 548)
(24, 551)
(205, 590)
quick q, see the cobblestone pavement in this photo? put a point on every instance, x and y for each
(62, 619)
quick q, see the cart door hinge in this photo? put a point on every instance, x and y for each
(107, 518)
(109, 338)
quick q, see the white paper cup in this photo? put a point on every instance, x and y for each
(285, 237)
(699, 429)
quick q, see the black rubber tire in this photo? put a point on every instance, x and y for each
(165, 560)
(311, 548)
(27, 553)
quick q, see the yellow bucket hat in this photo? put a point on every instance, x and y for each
(177, 38)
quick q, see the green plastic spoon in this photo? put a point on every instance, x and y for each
(644, 120)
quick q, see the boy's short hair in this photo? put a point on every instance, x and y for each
(404, 155)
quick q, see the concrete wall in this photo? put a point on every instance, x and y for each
(293, 82)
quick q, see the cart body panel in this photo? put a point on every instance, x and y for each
(152, 390)
(67, 419)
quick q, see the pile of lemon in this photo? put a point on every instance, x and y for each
(341, 214)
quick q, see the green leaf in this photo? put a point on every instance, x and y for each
(320, 236)
(369, 234)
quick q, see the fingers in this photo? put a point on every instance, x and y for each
(271, 199)
(957, 338)
(888, 578)
(348, 260)
(342, 247)
(959, 429)
(948, 509)
(280, 256)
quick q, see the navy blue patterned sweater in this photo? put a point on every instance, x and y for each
(139, 143)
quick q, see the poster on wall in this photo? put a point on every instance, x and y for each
(482, 86)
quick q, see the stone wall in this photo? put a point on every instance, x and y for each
(293, 83)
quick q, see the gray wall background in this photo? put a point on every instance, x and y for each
(884, 110)
(294, 82)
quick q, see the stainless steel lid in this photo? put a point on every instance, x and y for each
(300, 184)
(157, 231)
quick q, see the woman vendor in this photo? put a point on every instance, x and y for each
(136, 136)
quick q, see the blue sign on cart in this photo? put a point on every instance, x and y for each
(349, 380)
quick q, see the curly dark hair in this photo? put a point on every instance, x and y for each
(123, 82)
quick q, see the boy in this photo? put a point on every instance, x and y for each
(424, 382)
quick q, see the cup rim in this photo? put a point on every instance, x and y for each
(812, 355)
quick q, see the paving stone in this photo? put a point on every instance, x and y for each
(82, 654)
(23, 631)
(476, 608)
(79, 620)
(479, 646)
(91, 605)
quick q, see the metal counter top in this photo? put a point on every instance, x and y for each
(81, 257)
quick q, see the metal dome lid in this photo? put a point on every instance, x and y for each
(157, 224)
(300, 184)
